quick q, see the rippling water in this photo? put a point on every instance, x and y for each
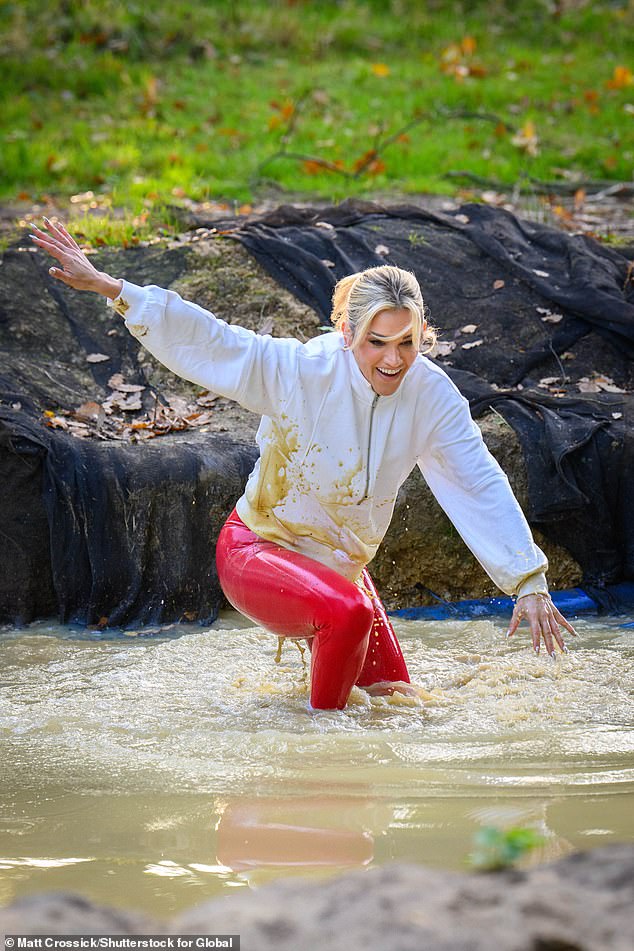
(157, 770)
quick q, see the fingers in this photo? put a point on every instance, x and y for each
(56, 236)
(562, 620)
(515, 621)
(62, 235)
(545, 622)
(48, 244)
(60, 275)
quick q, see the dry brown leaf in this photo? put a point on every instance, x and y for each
(474, 343)
(206, 399)
(91, 411)
(469, 329)
(115, 381)
(130, 388)
(498, 284)
(586, 386)
(382, 249)
(57, 422)
(97, 358)
(178, 405)
(445, 347)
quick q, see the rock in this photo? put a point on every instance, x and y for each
(583, 902)
(59, 913)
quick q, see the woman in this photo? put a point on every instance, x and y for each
(346, 417)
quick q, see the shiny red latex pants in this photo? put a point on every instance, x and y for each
(352, 640)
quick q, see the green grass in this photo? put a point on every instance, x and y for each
(146, 104)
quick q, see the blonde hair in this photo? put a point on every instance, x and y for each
(358, 298)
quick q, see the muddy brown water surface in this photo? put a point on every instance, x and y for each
(154, 770)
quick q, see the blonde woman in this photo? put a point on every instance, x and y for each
(345, 418)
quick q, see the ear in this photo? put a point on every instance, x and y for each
(347, 335)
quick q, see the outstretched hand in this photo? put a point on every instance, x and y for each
(545, 622)
(77, 270)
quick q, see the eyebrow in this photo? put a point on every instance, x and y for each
(408, 333)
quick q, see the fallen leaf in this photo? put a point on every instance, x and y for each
(541, 273)
(474, 343)
(130, 387)
(382, 250)
(498, 284)
(380, 69)
(96, 358)
(552, 318)
(469, 329)
(526, 139)
(617, 415)
(608, 385)
(115, 381)
(178, 404)
(621, 77)
(585, 386)
(57, 422)
(91, 411)
(206, 399)
(445, 347)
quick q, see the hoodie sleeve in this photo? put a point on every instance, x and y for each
(257, 371)
(476, 495)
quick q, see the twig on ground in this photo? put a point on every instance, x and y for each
(379, 146)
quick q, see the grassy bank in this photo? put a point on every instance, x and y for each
(144, 105)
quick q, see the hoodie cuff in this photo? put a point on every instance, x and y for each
(131, 304)
(534, 584)
(131, 299)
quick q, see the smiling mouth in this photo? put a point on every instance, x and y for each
(389, 372)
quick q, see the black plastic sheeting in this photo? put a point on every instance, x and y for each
(112, 534)
(546, 306)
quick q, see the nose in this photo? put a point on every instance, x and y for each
(392, 357)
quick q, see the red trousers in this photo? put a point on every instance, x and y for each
(352, 640)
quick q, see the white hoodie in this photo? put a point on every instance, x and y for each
(333, 453)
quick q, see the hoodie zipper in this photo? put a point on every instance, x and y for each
(375, 400)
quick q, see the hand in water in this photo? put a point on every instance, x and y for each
(386, 688)
(545, 621)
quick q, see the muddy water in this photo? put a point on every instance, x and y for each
(156, 771)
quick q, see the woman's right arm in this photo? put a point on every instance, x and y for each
(256, 371)
(77, 270)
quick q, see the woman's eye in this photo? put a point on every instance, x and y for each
(407, 343)
(377, 343)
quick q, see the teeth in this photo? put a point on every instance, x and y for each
(388, 372)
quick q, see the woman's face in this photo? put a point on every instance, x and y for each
(384, 362)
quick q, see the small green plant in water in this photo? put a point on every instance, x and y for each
(495, 849)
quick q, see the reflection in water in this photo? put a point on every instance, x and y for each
(159, 771)
(290, 833)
